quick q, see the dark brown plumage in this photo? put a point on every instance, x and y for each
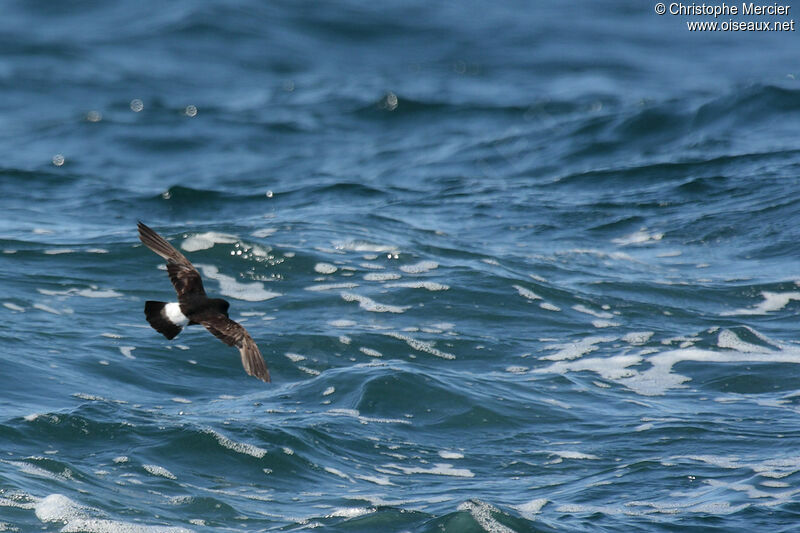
(197, 308)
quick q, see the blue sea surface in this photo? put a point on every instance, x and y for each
(514, 267)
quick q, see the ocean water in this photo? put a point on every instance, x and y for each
(514, 267)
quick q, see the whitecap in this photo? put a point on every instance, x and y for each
(422, 346)
(370, 352)
(204, 241)
(341, 323)
(418, 268)
(330, 286)
(482, 512)
(127, 351)
(428, 285)
(78, 518)
(773, 301)
(266, 232)
(599, 314)
(368, 304)
(325, 268)
(527, 293)
(530, 509)
(445, 454)
(228, 286)
(438, 469)
(381, 276)
(239, 447)
(573, 350)
(639, 237)
(549, 307)
(159, 471)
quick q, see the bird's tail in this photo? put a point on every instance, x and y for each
(154, 312)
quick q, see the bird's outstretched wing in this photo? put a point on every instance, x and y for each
(234, 334)
(185, 278)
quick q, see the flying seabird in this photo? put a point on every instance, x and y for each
(194, 307)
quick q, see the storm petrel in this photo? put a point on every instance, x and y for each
(194, 307)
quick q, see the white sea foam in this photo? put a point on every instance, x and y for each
(527, 293)
(418, 268)
(81, 519)
(204, 241)
(530, 509)
(659, 376)
(13, 307)
(569, 454)
(482, 512)
(773, 301)
(228, 286)
(337, 472)
(378, 480)
(728, 339)
(438, 469)
(639, 237)
(239, 447)
(86, 293)
(57, 251)
(637, 337)
(325, 268)
(381, 276)
(307, 370)
(330, 286)
(350, 512)
(127, 351)
(422, 346)
(429, 285)
(159, 471)
(370, 352)
(341, 323)
(573, 350)
(266, 232)
(599, 314)
(549, 307)
(445, 454)
(362, 246)
(368, 304)
(103, 293)
(46, 309)
(365, 419)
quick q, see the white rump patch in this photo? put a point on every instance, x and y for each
(173, 313)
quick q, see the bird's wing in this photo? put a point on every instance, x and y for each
(185, 278)
(234, 334)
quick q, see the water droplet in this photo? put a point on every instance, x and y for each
(269, 194)
(390, 101)
(136, 105)
(190, 111)
(94, 116)
(166, 195)
(58, 160)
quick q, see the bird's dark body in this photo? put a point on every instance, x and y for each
(198, 305)
(194, 307)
